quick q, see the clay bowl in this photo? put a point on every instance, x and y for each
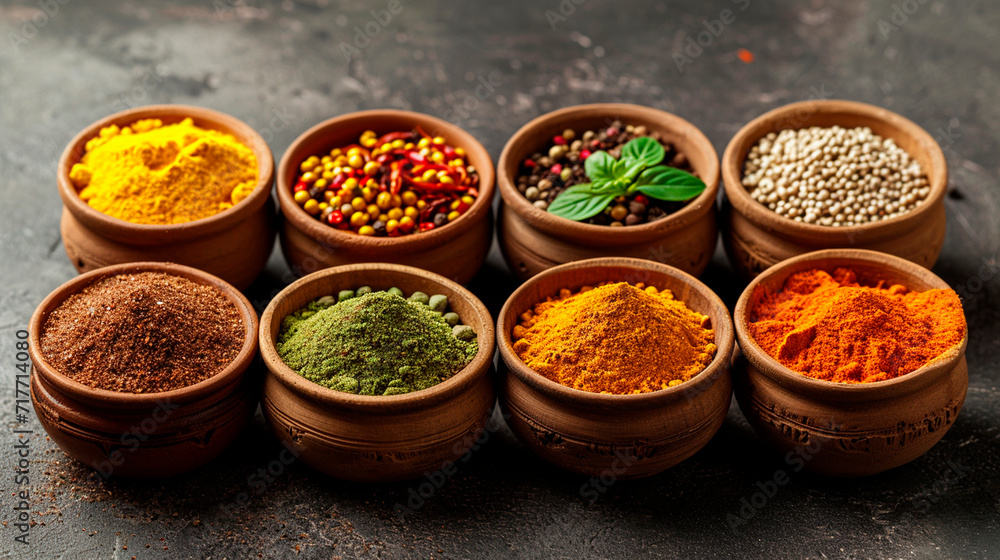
(756, 238)
(145, 435)
(627, 436)
(533, 240)
(455, 251)
(377, 438)
(233, 245)
(841, 429)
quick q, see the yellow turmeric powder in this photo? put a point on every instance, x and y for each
(151, 173)
(615, 338)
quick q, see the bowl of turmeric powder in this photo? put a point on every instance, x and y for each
(169, 183)
(614, 366)
(852, 361)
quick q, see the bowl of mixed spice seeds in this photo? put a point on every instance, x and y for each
(607, 180)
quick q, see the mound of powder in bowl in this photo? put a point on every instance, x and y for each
(152, 173)
(143, 333)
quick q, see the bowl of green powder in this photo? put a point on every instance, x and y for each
(377, 372)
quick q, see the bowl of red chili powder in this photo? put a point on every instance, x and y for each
(853, 361)
(144, 369)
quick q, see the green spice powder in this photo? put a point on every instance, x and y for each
(374, 344)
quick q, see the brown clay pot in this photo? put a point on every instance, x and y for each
(628, 436)
(756, 238)
(233, 245)
(533, 240)
(455, 251)
(377, 438)
(145, 435)
(840, 429)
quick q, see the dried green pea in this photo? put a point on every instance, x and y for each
(438, 302)
(420, 297)
(463, 332)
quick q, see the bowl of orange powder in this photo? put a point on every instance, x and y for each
(614, 367)
(853, 361)
(169, 183)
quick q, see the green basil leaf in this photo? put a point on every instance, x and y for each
(599, 165)
(601, 186)
(669, 183)
(644, 150)
(578, 203)
(632, 168)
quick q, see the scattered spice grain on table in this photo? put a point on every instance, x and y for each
(143, 333)
(371, 342)
(615, 338)
(156, 173)
(831, 326)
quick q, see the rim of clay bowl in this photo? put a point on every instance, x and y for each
(846, 114)
(785, 376)
(696, 147)
(129, 232)
(197, 391)
(724, 338)
(380, 404)
(383, 121)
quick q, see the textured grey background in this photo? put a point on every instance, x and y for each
(279, 66)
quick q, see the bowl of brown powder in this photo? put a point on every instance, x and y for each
(143, 369)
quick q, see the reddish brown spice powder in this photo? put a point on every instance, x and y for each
(832, 327)
(143, 333)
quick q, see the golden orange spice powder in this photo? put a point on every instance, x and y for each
(828, 326)
(615, 338)
(155, 173)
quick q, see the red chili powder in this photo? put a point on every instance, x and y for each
(831, 327)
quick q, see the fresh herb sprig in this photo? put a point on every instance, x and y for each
(637, 170)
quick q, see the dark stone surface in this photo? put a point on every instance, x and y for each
(279, 66)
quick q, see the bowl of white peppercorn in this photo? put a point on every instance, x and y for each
(547, 157)
(828, 174)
